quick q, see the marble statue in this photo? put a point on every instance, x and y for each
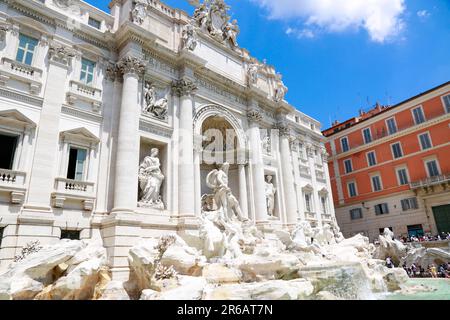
(188, 38)
(150, 180)
(155, 107)
(266, 144)
(390, 247)
(270, 196)
(139, 11)
(252, 71)
(280, 90)
(223, 197)
(230, 33)
(201, 15)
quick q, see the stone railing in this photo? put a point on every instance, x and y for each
(326, 217)
(11, 177)
(89, 94)
(81, 191)
(73, 186)
(445, 178)
(13, 182)
(11, 69)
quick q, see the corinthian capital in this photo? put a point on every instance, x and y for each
(112, 72)
(61, 54)
(254, 115)
(131, 65)
(284, 129)
(183, 87)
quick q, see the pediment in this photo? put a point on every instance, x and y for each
(308, 187)
(82, 134)
(13, 117)
(323, 191)
(32, 24)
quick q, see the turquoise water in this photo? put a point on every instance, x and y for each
(440, 290)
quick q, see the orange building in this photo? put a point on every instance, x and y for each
(390, 167)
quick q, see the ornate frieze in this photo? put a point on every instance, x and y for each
(216, 90)
(183, 87)
(156, 63)
(61, 54)
(132, 65)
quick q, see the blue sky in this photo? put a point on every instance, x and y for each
(339, 58)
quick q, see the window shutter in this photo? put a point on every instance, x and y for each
(385, 208)
(404, 205)
(415, 204)
(377, 209)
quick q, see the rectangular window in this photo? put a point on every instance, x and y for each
(409, 204)
(94, 23)
(87, 71)
(376, 183)
(397, 150)
(323, 201)
(425, 141)
(77, 164)
(70, 234)
(371, 158)
(419, 117)
(392, 125)
(381, 208)
(432, 167)
(308, 202)
(348, 166)
(1, 235)
(367, 135)
(25, 52)
(344, 144)
(447, 103)
(352, 189)
(402, 176)
(9, 145)
(356, 214)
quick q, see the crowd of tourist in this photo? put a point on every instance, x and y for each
(426, 237)
(432, 271)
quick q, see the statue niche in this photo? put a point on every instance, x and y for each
(150, 181)
(270, 191)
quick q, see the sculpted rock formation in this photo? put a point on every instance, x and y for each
(229, 258)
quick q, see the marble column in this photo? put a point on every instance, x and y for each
(42, 177)
(298, 189)
(288, 176)
(185, 89)
(127, 158)
(243, 189)
(257, 166)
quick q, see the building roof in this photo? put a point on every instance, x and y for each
(376, 111)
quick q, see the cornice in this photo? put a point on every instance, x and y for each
(16, 95)
(394, 136)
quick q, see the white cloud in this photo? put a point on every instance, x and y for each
(423, 14)
(382, 19)
(301, 33)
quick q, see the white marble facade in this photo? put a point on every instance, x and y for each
(128, 101)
